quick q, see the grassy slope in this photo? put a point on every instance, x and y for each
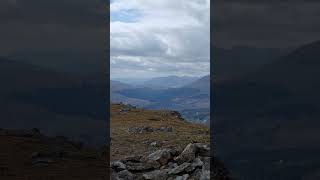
(124, 144)
(16, 161)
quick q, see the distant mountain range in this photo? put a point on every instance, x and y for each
(238, 60)
(169, 82)
(274, 112)
(55, 102)
(189, 95)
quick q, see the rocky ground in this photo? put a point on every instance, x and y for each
(160, 145)
(193, 163)
(144, 145)
(29, 155)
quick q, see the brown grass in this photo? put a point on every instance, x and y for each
(124, 144)
(16, 161)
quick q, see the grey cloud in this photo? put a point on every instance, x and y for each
(159, 68)
(171, 40)
(68, 12)
(42, 25)
(262, 23)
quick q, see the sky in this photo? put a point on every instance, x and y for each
(265, 23)
(37, 25)
(159, 38)
(75, 31)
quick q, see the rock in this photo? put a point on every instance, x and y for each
(145, 129)
(125, 175)
(187, 155)
(140, 130)
(203, 149)
(172, 165)
(142, 166)
(154, 144)
(162, 156)
(205, 175)
(114, 175)
(206, 163)
(165, 129)
(184, 177)
(195, 163)
(42, 161)
(148, 142)
(179, 169)
(195, 175)
(124, 109)
(133, 158)
(118, 166)
(156, 175)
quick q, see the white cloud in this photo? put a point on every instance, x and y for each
(167, 38)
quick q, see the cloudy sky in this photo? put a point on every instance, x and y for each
(159, 38)
(38, 25)
(265, 23)
(65, 34)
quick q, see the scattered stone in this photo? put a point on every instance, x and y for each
(124, 109)
(187, 155)
(206, 163)
(184, 177)
(205, 175)
(133, 158)
(172, 165)
(125, 175)
(193, 163)
(156, 175)
(142, 166)
(165, 129)
(154, 144)
(162, 156)
(203, 149)
(118, 166)
(196, 163)
(147, 129)
(42, 161)
(179, 169)
(140, 130)
(196, 174)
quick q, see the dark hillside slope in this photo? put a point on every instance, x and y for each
(272, 111)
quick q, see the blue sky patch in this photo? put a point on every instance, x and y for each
(125, 16)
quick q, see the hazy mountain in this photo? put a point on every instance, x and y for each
(118, 86)
(75, 62)
(202, 84)
(169, 82)
(116, 97)
(233, 62)
(274, 112)
(192, 100)
(18, 76)
(55, 102)
(131, 81)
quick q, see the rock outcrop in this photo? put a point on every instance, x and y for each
(193, 163)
